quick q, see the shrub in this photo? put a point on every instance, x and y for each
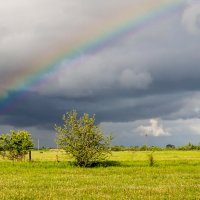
(81, 138)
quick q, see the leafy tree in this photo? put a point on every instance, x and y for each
(16, 144)
(170, 146)
(81, 138)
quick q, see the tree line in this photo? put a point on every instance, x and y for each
(168, 147)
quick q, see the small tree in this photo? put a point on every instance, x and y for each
(82, 139)
(16, 144)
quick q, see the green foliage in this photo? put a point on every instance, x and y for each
(137, 148)
(118, 148)
(155, 148)
(82, 139)
(189, 147)
(15, 145)
(144, 148)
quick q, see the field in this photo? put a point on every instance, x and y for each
(175, 175)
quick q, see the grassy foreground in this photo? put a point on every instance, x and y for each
(175, 175)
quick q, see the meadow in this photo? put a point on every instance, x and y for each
(127, 175)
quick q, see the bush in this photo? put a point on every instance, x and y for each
(82, 139)
(15, 145)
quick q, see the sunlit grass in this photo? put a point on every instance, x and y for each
(175, 175)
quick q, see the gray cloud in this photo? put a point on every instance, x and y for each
(191, 18)
(153, 73)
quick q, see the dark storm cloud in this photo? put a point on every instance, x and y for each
(44, 111)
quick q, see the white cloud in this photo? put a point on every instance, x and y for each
(179, 131)
(191, 18)
(196, 128)
(154, 129)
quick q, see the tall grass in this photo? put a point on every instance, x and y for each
(176, 175)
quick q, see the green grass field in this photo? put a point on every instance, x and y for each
(175, 175)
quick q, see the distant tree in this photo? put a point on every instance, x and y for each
(188, 147)
(170, 146)
(16, 144)
(155, 148)
(81, 138)
(144, 148)
(118, 148)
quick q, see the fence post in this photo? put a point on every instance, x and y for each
(29, 153)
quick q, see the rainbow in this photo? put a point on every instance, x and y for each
(135, 19)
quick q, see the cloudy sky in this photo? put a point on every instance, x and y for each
(145, 82)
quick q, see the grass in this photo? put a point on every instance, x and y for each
(175, 175)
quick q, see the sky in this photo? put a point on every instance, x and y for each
(145, 82)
